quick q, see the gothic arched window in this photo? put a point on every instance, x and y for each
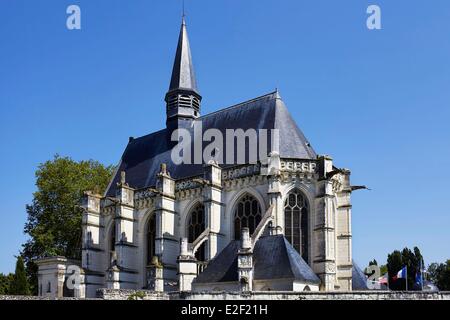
(112, 237)
(112, 241)
(247, 214)
(151, 236)
(196, 225)
(296, 211)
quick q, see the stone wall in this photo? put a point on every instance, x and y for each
(124, 294)
(121, 294)
(109, 294)
(9, 297)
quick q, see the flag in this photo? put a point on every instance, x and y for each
(419, 280)
(383, 279)
(401, 274)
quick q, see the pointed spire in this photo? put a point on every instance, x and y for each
(182, 100)
(183, 74)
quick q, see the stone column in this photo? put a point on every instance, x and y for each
(90, 225)
(155, 275)
(126, 247)
(187, 267)
(212, 194)
(245, 262)
(274, 192)
(324, 263)
(113, 280)
(344, 234)
(92, 253)
(166, 245)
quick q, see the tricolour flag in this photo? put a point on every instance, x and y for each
(401, 274)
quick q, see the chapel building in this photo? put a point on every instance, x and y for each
(278, 219)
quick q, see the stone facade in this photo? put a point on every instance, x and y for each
(171, 202)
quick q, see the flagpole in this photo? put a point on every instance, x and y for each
(388, 280)
(406, 277)
(422, 271)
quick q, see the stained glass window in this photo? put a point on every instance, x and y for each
(296, 212)
(196, 225)
(247, 214)
(151, 235)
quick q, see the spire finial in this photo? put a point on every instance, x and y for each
(184, 14)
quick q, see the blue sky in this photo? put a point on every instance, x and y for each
(377, 101)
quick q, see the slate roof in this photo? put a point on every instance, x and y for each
(359, 279)
(142, 157)
(273, 256)
(183, 74)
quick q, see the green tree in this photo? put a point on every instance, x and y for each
(19, 284)
(383, 269)
(373, 262)
(394, 264)
(5, 283)
(439, 274)
(54, 216)
(413, 260)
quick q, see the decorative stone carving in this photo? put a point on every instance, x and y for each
(299, 166)
(187, 184)
(330, 267)
(241, 171)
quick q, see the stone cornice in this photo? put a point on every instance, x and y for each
(92, 225)
(323, 228)
(96, 249)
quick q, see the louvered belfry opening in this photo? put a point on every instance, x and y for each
(184, 101)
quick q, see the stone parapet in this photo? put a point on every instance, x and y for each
(123, 294)
(108, 294)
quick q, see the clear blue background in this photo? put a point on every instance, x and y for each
(377, 101)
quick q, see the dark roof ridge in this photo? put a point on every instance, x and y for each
(222, 110)
(242, 104)
(147, 135)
